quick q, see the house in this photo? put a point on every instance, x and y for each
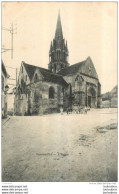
(110, 99)
(4, 88)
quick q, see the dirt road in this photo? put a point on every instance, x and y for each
(61, 148)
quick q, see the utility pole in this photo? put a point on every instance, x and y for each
(16, 76)
(11, 30)
(16, 73)
(11, 40)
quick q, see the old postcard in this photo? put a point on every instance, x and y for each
(59, 92)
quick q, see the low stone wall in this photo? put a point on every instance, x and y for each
(110, 103)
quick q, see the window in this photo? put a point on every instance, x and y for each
(54, 68)
(70, 89)
(64, 56)
(51, 92)
(76, 82)
(36, 97)
(91, 92)
(36, 77)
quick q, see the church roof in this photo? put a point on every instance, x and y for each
(71, 69)
(47, 75)
(85, 67)
(30, 69)
(4, 70)
(51, 77)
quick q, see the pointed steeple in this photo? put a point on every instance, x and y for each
(58, 54)
(50, 47)
(66, 46)
(58, 33)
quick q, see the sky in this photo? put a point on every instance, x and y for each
(90, 29)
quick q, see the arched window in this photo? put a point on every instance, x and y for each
(91, 92)
(36, 77)
(61, 66)
(54, 68)
(36, 97)
(76, 81)
(63, 91)
(64, 56)
(51, 92)
(70, 89)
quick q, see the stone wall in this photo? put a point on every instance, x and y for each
(111, 103)
(110, 99)
(3, 95)
(23, 76)
(80, 89)
(36, 101)
(20, 104)
(44, 104)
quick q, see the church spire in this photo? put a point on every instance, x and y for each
(58, 54)
(58, 33)
(50, 47)
(66, 46)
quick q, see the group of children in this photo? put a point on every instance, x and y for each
(76, 110)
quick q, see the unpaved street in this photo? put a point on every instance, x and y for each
(60, 147)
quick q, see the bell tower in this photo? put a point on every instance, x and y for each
(58, 53)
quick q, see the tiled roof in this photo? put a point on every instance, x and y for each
(71, 69)
(31, 69)
(4, 70)
(51, 77)
(47, 75)
(85, 67)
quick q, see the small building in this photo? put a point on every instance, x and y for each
(110, 99)
(4, 89)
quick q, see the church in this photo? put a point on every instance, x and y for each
(43, 91)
